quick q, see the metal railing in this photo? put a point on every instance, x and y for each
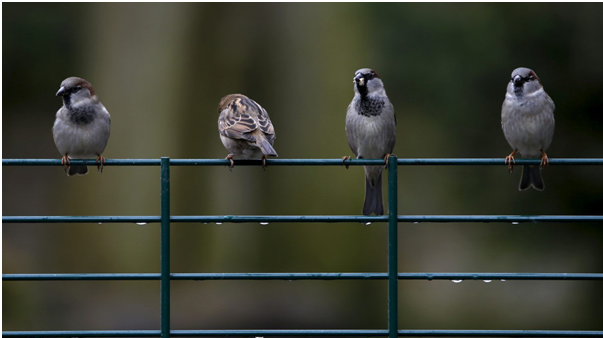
(392, 275)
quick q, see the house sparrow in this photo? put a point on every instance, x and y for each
(370, 125)
(528, 124)
(245, 129)
(82, 125)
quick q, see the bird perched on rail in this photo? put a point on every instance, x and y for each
(528, 124)
(82, 125)
(245, 129)
(371, 130)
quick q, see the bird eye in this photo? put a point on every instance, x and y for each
(78, 87)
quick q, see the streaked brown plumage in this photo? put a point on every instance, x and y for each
(245, 128)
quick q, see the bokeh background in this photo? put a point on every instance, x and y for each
(161, 69)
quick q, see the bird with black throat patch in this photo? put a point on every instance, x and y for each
(245, 129)
(82, 126)
(528, 124)
(371, 131)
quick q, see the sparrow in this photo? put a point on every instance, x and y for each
(528, 124)
(370, 126)
(245, 129)
(82, 125)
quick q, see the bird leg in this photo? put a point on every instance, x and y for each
(230, 157)
(386, 160)
(65, 162)
(345, 158)
(264, 162)
(544, 159)
(100, 163)
(510, 161)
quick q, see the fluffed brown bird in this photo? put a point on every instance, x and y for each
(245, 129)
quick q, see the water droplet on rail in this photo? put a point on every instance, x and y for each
(264, 223)
(100, 222)
(487, 281)
(366, 223)
(415, 222)
(514, 223)
(218, 223)
(456, 281)
(141, 223)
(503, 280)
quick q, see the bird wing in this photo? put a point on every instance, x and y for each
(265, 124)
(549, 121)
(241, 117)
(504, 113)
(350, 128)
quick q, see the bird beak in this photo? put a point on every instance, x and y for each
(61, 91)
(359, 79)
(517, 79)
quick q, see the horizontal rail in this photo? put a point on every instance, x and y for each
(297, 219)
(81, 219)
(302, 162)
(356, 333)
(454, 277)
(497, 276)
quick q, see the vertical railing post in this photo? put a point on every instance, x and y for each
(392, 251)
(165, 247)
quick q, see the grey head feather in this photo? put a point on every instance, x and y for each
(524, 81)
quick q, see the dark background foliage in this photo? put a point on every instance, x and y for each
(161, 69)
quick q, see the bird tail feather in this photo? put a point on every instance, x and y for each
(77, 170)
(531, 176)
(373, 197)
(267, 148)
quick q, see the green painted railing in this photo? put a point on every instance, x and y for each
(392, 275)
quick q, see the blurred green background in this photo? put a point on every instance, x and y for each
(161, 69)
